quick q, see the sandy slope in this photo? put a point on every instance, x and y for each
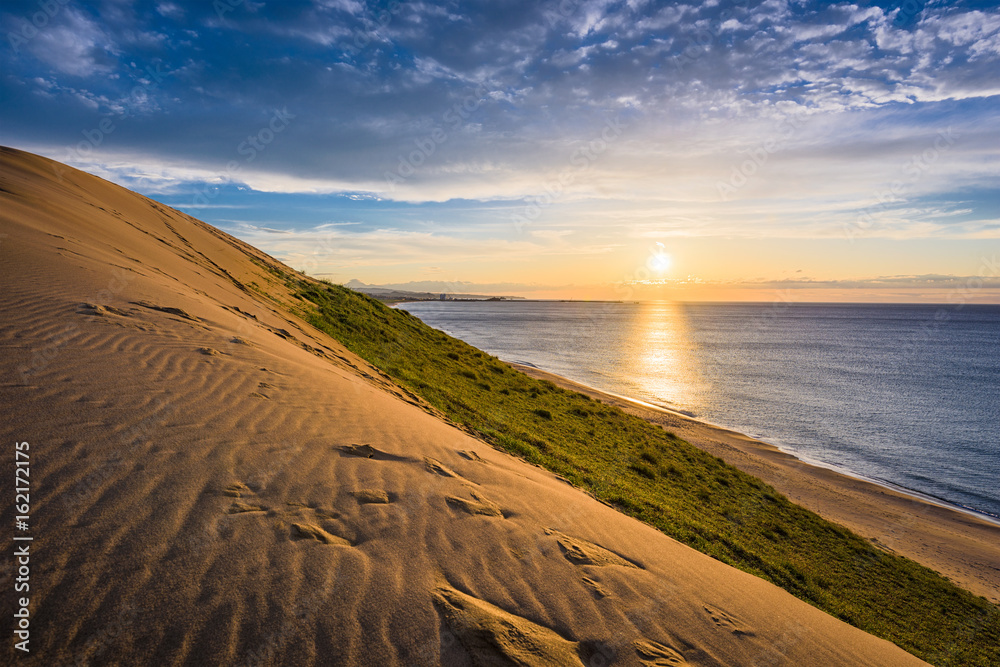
(215, 483)
(963, 547)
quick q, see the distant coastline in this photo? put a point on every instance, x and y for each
(724, 302)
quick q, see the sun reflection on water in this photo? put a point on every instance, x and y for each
(662, 357)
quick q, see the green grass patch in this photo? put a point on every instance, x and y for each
(652, 475)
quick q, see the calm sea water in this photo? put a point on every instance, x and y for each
(905, 394)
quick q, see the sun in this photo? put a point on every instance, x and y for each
(659, 262)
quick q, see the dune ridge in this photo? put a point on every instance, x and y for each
(154, 366)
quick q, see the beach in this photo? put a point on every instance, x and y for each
(958, 544)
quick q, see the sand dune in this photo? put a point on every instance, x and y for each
(215, 482)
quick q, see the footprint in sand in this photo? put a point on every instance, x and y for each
(241, 312)
(369, 452)
(240, 508)
(478, 505)
(653, 654)
(372, 497)
(241, 490)
(169, 310)
(472, 456)
(582, 552)
(261, 388)
(439, 468)
(309, 522)
(492, 636)
(596, 588)
(728, 622)
(102, 311)
(115, 316)
(308, 531)
(237, 490)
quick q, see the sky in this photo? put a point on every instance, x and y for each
(774, 151)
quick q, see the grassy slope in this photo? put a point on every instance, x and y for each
(666, 482)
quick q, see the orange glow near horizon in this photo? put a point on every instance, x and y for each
(695, 269)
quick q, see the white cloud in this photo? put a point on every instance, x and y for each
(169, 9)
(76, 45)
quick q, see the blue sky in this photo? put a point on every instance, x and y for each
(545, 147)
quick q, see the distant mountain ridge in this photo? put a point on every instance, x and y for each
(435, 291)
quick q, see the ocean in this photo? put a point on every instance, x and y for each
(907, 395)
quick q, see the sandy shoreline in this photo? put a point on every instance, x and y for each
(960, 545)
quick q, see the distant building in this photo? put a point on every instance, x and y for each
(441, 298)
